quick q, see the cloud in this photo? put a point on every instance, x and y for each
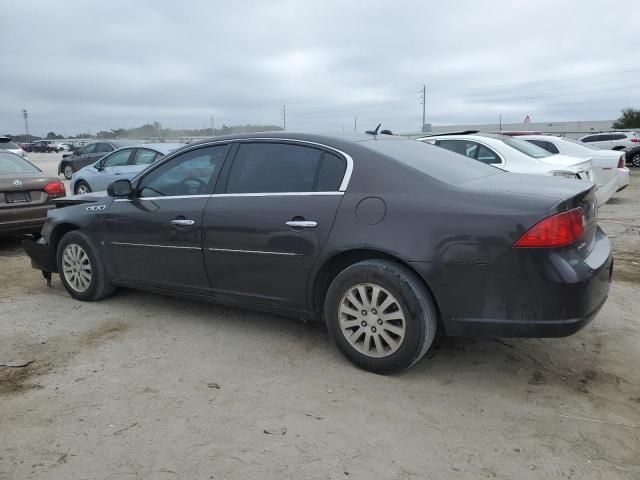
(96, 65)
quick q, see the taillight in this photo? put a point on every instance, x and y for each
(622, 161)
(555, 231)
(55, 189)
(635, 139)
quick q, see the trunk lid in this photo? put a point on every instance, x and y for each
(23, 189)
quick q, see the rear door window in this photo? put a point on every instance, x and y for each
(118, 159)
(144, 156)
(331, 173)
(103, 148)
(273, 168)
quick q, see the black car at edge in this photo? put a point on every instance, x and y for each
(385, 239)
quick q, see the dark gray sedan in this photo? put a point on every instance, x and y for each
(386, 240)
(88, 154)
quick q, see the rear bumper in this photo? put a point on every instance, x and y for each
(529, 293)
(606, 191)
(23, 220)
(40, 254)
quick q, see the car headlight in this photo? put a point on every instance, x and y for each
(564, 174)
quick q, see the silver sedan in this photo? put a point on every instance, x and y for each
(122, 163)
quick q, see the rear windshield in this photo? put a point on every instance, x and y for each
(10, 163)
(525, 147)
(436, 162)
(8, 146)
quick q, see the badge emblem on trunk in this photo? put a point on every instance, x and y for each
(17, 182)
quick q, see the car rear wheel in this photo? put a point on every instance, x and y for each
(67, 171)
(82, 187)
(635, 160)
(81, 271)
(380, 315)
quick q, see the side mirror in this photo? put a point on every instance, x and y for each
(120, 188)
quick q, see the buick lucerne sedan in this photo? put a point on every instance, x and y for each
(386, 240)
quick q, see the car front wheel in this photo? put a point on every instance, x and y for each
(635, 160)
(82, 187)
(380, 315)
(81, 271)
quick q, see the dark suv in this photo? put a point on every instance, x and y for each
(89, 154)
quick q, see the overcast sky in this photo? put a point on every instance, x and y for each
(80, 65)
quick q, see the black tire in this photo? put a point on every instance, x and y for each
(99, 286)
(67, 172)
(413, 299)
(635, 160)
(84, 184)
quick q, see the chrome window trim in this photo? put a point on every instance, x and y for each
(343, 185)
(213, 195)
(258, 252)
(127, 244)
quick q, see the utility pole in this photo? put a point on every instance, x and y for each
(355, 123)
(424, 106)
(25, 114)
(283, 112)
(213, 132)
(500, 122)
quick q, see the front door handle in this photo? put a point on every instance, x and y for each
(302, 224)
(182, 222)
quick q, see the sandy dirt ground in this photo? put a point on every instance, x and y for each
(141, 386)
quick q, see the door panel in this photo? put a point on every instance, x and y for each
(155, 238)
(250, 252)
(146, 248)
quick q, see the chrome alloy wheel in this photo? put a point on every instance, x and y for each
(83, 188)
(68, 172)
(372, 320)
(76, 267)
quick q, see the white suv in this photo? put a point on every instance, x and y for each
(612, 140)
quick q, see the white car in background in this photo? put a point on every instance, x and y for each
(611, 174)
(514, 155)
(612, 140)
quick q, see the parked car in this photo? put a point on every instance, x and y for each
(612, 140)
(88, 154)
(122, 163)
(26, 147)
(609, 170)
(25, 195)
(6, 145)
(386, 239)
(46, 146)
(514, 155)
(632, 155)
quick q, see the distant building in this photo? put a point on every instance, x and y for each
(567, 129)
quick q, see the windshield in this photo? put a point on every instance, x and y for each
(10, 163)
(436, 162)
(9, 146)
(584, 145)
(527, 148)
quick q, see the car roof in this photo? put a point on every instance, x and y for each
(309, 137)
(162, 147)
(119, 143)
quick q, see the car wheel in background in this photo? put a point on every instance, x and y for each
(380, 315)
(67, 171)
(81, 271)
(82, 187)
(635, 160)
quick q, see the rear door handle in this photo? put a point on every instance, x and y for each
(183, 222)
(302, 223)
